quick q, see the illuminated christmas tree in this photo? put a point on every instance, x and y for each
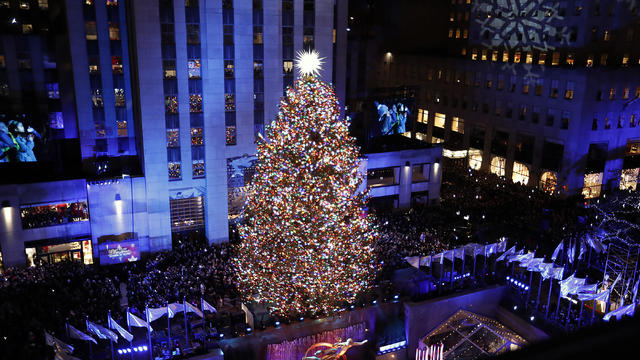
(306, 243)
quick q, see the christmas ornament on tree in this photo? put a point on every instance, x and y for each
(306, 243)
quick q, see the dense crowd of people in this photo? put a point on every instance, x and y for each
(46, 297)
(192, 270)
(474, 207)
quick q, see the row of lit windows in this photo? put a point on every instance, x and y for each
(540, 57)
(620, 121)
(25, 5)
(258, 69)
(91, 31)
(98, 101)
(229, 72)
(108, 2)
(611, 93)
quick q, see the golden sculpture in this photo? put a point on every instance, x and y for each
(334, 351)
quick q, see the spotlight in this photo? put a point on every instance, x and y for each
(397, 296)
(532, 318)
(375, 302)
(352, 306)
(277, 323)
(248, 329)
(135, 349)
(515, 307)
(145, 348)
(119, 352)
(221, 335)
(301, 318)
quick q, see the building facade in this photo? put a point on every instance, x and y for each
(150, 100)
(544, 93)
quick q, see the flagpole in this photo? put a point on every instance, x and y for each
(131, 341)
(463, 258)
(186, 329)
(539, 288)
(485, 255)
(110, 338)
(204, 324)
(146, 312)
(90, 349)
(569, 311)
(169, 330)
(581, 308)
(546, 315)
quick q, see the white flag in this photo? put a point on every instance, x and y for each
(413, 261)
(115, 326)
(621, 311)
(155, 314)
(425, 261)
(77, 334)
(207, 307)
(556, 251)
(193, 309)
(175, 308)
(133, 320)
(57, 344)
(507, 253)
(459, 253)
(502, 246)
(101, 332)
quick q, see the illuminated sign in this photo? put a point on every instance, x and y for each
(119, 252)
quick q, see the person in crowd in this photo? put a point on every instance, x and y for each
(24, 140)
(8, 144)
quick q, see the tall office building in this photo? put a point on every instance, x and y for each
(542, 92)
(141, 108)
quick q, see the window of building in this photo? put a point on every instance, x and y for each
(53, 91)
(114, 31)
(523, 112)
(230, 138)
(529, 57)
(625, 59)
(173, 138)
(100, 132)
(607, 35)
(555, 58)
(112, 2)
(39, 216)
(119, 95)
(483, 55)
(542, 58)
(94, 65)
(494, 55)
(520, 173)
(96, 98)
(193, 34)
(175, 172)
(570, 59)
(474, 55)
(196, 136)
(458, 33)
(229, 102)
(439, 120)
(629, 179)
(569, 92)
(420, 172)
(229, 69)
(539, 86)
(553, 93)
(169, 69)
(116, 64)
(121, 127)
(171, 104)
(603, 59)
(505, 55)
(287, 67)
(193, 67)
(516, 57)
(565, 120)
(525, 85)
(195, 103)
(498, 165)
(551, 117)
(592, 185)
(423, 116)
(612, 94)
(198, 168)
(589, 60)
(43, 4)
(27, 28)
(383, 177)
(625, 93)
(548, 182)
(56, 120)
(512, 83)
(475, 159)
(489, 81)
(535, 114)
(91, 30)
(457, 125)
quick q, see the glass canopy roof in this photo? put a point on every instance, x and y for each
(466, 335)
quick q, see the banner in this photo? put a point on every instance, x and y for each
(620, 312)
(119, 252)
(596, 244)
(507, 253)
(502, 246)
(571, 285)
(459, 253)
(557, 251)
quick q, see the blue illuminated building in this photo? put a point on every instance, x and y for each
(141, 107)
(545, 93)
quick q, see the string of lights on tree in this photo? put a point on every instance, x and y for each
(306, 244)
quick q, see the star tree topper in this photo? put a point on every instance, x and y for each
(308, 63)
